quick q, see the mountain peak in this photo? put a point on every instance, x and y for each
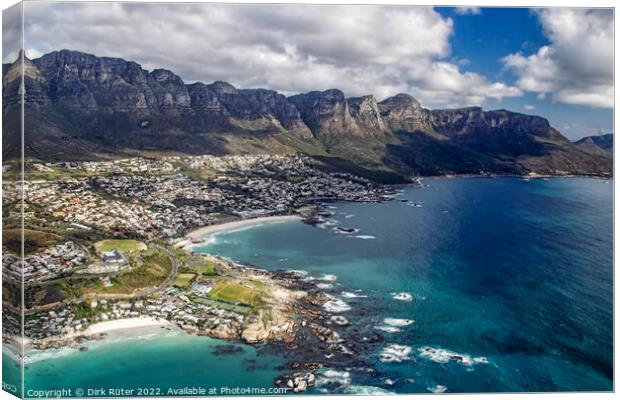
(401, 100)
(167, 76)
(402, 112)
(221, 87)
(604, 141)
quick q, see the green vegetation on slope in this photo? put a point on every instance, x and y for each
(183, 280)
(33, 240)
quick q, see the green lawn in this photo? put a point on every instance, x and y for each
(123, 246)
(183, 280)
(258, 284)
(231, 292)
(245, 310)
(205, 269)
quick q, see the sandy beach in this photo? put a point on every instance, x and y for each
(126, 323)
(95, 329)
(228, 226)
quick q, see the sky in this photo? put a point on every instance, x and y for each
(557, 62)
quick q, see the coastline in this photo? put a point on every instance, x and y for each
(122, 324)
(533, 177)
(198, 233)
(96, 331)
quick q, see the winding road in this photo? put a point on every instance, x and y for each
(141, 293)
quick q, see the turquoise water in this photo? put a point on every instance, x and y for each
(515, 277)
(518, 272)
(11, 372)
(153, 359)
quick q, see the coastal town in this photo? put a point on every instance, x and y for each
(165, 198)
(110, 241)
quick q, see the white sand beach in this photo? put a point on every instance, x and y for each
(126, 323)
(95, 329)
(228, 226)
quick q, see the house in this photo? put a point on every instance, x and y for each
(105, 280)
(201, 289)
(112, 256)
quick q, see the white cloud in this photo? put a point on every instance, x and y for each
(382, 50)
(577, 66)
(11, 33)
(529, 107)
(468, 10)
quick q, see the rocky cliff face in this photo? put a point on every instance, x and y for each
(365, 110)
(325, 113)
(474, 119)
(78, 105)
(403, 113)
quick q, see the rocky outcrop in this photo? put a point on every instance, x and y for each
(36, 93)
(221, 104)
(367, 113)
(85, 83)
(474, 119)
(325, 112)
(404, 113)
(171, 94)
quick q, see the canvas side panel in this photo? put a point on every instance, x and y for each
(12, 201)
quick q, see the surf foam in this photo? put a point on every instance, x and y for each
(402, 296)
(443, 356)
(388, 329)
(437, 389)
(335, 305)
(399, 322)
(395, 353)
(351, 295)
(328, 277)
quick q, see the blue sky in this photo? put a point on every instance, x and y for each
(489, 34)
(554, 62)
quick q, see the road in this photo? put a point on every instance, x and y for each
(141, 293)
(167, 281)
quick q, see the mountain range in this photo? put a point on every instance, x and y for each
(80, 106)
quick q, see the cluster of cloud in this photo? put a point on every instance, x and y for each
(577, 66)
(11, 32)
(381, 50)
(366, 49)
(468, 10)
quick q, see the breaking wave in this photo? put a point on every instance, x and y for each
(445, 356)
(328, 277)
(365, 237)
(388, 329)
(333, 377)
(366, 390)
(400, 322)
(403, 296)
(437, 389)
(335, 305)
(395, 353)
(351, 295)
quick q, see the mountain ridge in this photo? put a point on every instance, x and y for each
(81, 106)
(601, 145)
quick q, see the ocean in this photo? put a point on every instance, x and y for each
(474, 284)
